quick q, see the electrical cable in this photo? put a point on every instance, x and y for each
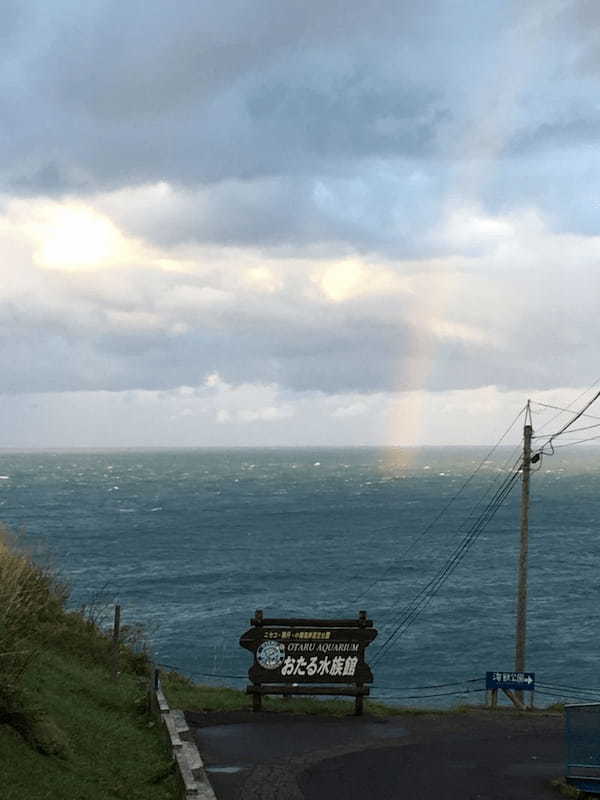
(567, 425)
(412, 544)
(573, 695)
(379, 685)
(452, 563)
(477, 510)
(201, 674)
(420, 601)
(433, 686)
(578, 441)
(575, 430)
(426, 594)
(562, 697)
(568, 688)
(575, 692)
(569, 407)
(438, 694)
(560, 408)
(459, 691)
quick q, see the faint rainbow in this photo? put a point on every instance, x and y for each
(493, 112)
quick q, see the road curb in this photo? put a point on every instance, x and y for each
(190, 766)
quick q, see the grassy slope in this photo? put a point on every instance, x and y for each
(182, 693)
(69, 732)
(99, 743)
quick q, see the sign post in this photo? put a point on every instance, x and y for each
(309, 657)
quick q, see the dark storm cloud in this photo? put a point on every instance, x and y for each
(107, 94)
(391, 211)
(295, 129)
(271, 107)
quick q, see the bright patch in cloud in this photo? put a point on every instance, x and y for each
(345, 280)
(76, 237)
(342, 281)
(263, 279)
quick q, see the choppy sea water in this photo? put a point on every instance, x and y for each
(191, 542)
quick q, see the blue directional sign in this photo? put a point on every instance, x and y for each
(518, 681)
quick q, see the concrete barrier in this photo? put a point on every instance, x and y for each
(194, 780)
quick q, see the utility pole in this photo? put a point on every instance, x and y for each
(522, 574)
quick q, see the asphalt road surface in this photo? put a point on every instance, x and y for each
(477, 755)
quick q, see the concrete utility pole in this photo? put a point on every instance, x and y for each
(522, 575)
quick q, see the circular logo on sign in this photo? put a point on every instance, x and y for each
(270, 655)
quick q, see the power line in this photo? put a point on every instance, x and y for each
(437, 694)
(558, 692)
(563, 698)
(477, 509)
(570, 405)
(578, 441)
(579, 414)
(457, 557)
(412, 610)
(202, 674)
(432, 686)
(559, 408)
(374, 686)
(574, 430)
(423, 597)
(568, 688)
(418, 538)
(421, 600)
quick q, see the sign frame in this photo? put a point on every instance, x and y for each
(305, 656)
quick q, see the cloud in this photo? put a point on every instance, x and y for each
(113, 95)
(484, 314)
(122, 96)
(354, 200)
(346, 127)
(352, 410)
(175, 418)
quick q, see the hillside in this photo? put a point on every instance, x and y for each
(68, 731)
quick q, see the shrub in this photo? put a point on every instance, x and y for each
(30, 595)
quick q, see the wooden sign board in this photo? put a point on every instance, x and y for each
(299, 652)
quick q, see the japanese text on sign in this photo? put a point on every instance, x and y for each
(510, 680)
(287, 634)
(338, 665)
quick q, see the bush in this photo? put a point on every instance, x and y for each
(29, 597)
(81, 637)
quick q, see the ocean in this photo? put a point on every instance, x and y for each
(192, 542)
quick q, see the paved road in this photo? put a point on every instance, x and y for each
(464, 756)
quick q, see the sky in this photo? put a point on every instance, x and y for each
(295, 223)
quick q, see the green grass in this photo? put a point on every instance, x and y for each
(181, 692)
(68, 731)
(81, 736)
